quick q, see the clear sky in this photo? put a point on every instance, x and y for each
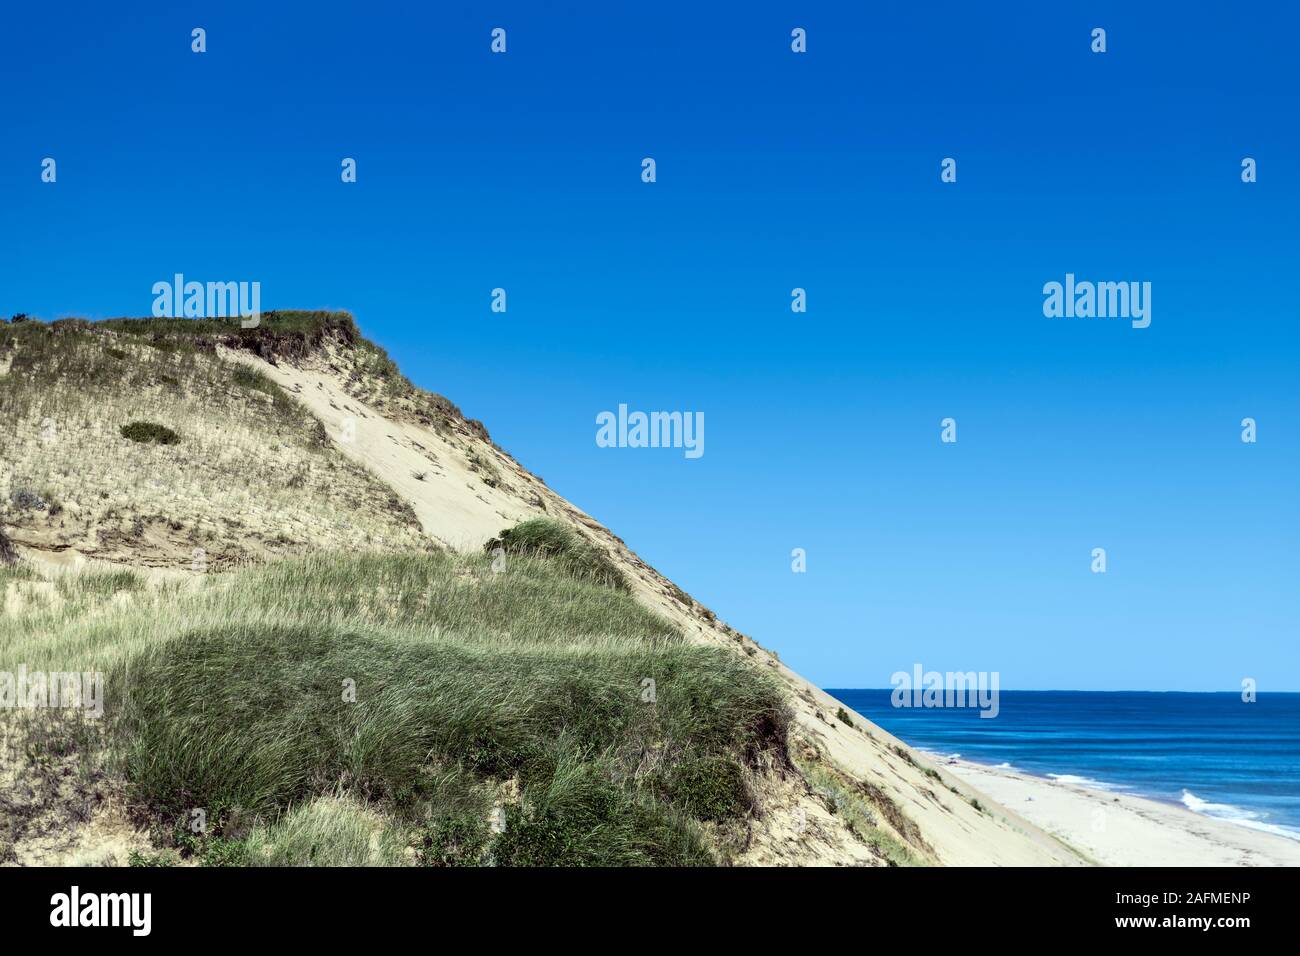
(775, 170)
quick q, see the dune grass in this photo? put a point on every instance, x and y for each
(433, 692)
(107, 359)
(292, 334)
(578, 816)
(560, 544)
(860, 814)
(126, 441)
(328, 831)
(17, 571)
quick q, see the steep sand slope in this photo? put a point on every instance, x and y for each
(464, 491)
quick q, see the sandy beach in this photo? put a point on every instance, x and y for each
(1118, 829)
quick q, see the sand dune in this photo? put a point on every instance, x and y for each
(852, 794)
(464, 491)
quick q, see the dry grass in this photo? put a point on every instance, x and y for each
(860, 810)
(248, 477)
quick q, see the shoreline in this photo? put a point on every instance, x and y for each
(1115, 828)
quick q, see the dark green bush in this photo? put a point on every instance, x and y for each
(150, 432)
(224, 853)
(710, 788)
(581, 818)
(557, 542)
(452, 840)
(24, 499)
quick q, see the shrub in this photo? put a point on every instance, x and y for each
(163, 859)
(452, 840)
(843, 717)
(150, 432)
(224, 853)
(549, 539)
(579, 817)
(8, 555)
(24, 499)
(317, 437)
(710, 788)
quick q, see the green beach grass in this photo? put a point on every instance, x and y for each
(408, 709)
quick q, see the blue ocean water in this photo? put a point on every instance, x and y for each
(1211, 753)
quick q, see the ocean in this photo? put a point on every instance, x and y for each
(1211, 753)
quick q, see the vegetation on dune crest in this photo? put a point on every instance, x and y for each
(295, 335)
(414, 709)
(247, 471)
(291, 335)
(558, 543)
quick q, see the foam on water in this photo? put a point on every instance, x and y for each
(1238, 815)
(1077, 781)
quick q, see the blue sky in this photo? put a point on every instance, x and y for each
(775, 170)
